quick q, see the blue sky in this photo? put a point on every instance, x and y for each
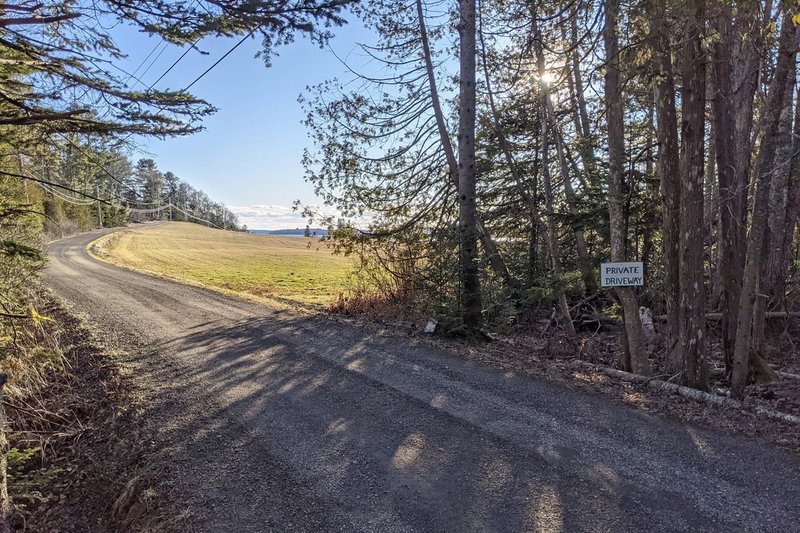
(249, 155)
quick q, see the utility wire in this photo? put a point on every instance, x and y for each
(175, 207)
(218, 61)
(198, 78)
(201, 76)
(153, 62)
(96, 199)
(70, 189)
(174, 64)
(55, 192)
(195, 217)
(189, 49)
(48, 186)
(141, 64)
(149, 211)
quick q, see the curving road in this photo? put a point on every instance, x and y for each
(278, 422)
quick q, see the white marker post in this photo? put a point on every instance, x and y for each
(629, 274)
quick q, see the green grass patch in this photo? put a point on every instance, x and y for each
(299, 269)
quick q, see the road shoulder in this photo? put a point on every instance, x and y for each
(95, 469)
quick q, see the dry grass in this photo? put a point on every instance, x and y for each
(259, 266)
(78, 435)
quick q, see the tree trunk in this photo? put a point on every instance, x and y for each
(649, 221)
(724, 139)
(770, 286)
(582, 125)
(712, 215)
(775, 268)
(755, 240)
(467, 176)
(710, 210)
(514, 168)
(490, 248)
(616, 147)
(5, 502)
(552, 230)
(794, 190)
(534, 257)
(667, 169)
(533, 250)
(691, 315)
(743, 41)
(584, 261)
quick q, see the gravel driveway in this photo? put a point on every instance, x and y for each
(274, 421)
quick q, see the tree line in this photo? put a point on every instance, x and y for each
(557, 135)
(80, 187)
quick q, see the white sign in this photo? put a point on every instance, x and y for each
(622, 274)
(430, 327)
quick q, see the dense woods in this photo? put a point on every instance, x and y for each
(520, 144)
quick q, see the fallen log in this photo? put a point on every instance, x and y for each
(787, 375)
(693, 394)
(718, 316)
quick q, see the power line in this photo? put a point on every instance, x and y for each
(96, 199)
(175, 207)
(45, 184)
(143, 61)
(91, 159)
(189, 49)
(52, 190)
(218, 61)
(191, 46)
(132, 75)
(153, 62)
(70, 189)
(149, 211)
(201, 76)
(194, 217)
(161, 108)
(138, 80)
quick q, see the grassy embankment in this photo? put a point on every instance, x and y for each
(257, 266)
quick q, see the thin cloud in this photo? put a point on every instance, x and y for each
(269, 217)
(273, 217)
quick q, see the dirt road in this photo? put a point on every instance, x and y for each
(276, 422)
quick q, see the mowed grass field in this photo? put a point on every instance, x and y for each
(282, 268)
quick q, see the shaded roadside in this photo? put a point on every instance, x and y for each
(81, 459)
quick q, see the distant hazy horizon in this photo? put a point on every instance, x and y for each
(289, 232)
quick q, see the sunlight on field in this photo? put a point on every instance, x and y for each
(299, 269)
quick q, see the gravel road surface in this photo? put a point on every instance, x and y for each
(277, 422)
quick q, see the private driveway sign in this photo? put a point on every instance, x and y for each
(629, 274)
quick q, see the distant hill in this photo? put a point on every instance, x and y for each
(297, 232)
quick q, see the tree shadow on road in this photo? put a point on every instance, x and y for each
(295, 423)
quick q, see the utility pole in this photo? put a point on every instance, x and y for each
(99, 210)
